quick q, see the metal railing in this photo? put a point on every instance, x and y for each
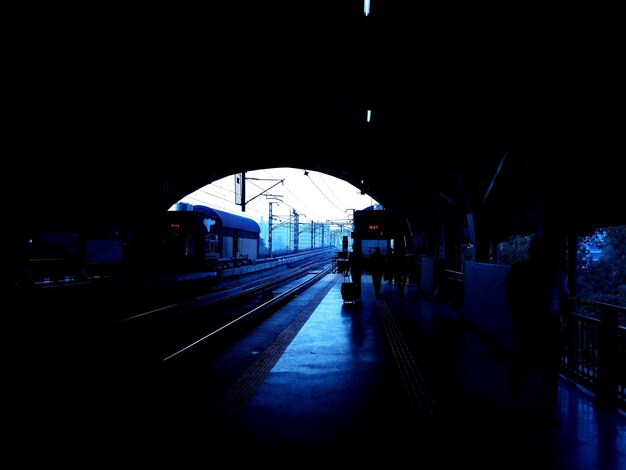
(594, 355)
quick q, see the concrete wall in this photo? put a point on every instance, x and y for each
(485, 301)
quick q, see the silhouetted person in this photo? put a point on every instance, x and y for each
(377, 265)
(536, 295)
(399, 268)
(356, 266)
(345, 265)
(388, 274)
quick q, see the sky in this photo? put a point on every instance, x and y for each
(315, 196)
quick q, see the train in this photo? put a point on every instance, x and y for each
(375, 228)
(200, 238)
(192, 238)
(62, 254)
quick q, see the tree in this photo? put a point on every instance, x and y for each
(604, 279)
(514, 249)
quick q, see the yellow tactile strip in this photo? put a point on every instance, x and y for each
(423, 403)
(241, 391)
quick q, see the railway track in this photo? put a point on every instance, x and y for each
(98, 356)
(169, 332)
(166, 363)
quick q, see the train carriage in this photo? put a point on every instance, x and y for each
(198, 237)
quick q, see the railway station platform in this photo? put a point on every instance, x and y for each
(399, 378)
(391, 380)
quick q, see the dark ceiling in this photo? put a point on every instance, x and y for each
(510, 116)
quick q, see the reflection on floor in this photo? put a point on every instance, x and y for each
(404, 377)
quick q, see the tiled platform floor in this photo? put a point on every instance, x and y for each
(402, 378)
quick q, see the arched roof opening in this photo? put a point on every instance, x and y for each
(474, 130)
